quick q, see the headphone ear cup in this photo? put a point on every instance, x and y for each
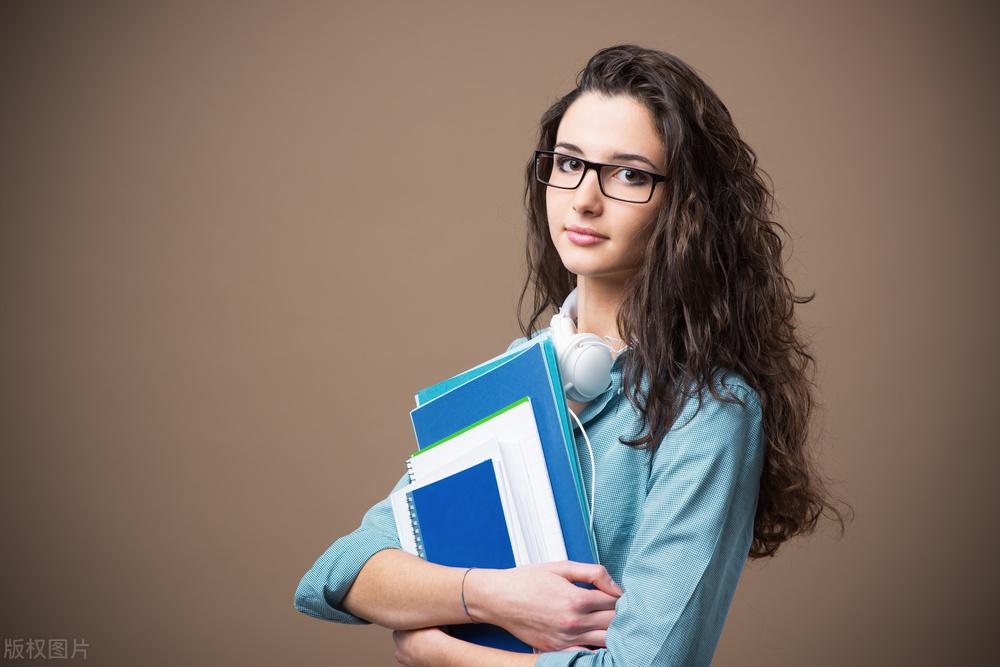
(563, 330)
(586, 367)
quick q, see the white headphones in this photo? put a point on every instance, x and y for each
(585, 359)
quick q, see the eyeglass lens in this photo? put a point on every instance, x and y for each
(619, 182)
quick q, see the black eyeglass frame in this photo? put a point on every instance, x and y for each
(596, 166)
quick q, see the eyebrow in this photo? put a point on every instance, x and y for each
(616, 156)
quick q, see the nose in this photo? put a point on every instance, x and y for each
(588, 196)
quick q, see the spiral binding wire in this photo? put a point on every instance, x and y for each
(413, 513)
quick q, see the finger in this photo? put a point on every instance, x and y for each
(599, 620)
(593, 574)
(593, 638)
(604, 583)
(598, 601)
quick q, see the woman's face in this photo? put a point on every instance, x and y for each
(597, 236)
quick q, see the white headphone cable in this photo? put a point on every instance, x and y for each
(593, 466)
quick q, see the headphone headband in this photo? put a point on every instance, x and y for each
(568, 307)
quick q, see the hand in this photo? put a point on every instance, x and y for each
(419, 648)
(540, 605)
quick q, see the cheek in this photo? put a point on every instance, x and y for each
(642, 232)
(639, 237)
(553, 217)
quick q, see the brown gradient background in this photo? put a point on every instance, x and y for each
(236, 238)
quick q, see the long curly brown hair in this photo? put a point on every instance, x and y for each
(711, 292)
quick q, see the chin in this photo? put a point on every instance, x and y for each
(580, 264)
(587, 269)
(590, 268)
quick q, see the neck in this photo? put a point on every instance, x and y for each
(597, 308)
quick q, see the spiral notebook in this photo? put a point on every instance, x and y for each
(460, 520)
(420, 507)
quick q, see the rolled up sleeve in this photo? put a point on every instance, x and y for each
(323, 587)
(691, 543)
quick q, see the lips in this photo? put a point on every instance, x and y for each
(584, 235)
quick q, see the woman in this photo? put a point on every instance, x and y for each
(642, 198)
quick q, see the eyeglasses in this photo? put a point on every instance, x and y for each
(559, 170)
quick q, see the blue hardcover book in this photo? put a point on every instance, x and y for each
(459, 521)
(532, 371)
(430, 393)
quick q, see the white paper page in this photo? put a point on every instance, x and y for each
(524, 501)
(515, 528)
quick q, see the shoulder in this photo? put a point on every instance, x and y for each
(729, 382)
(731, 404)
(518, 342)
(714, 439)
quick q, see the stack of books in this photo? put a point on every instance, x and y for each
(495, 481)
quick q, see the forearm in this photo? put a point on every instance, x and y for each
(430, 647)
(400, 591)
(464, 654)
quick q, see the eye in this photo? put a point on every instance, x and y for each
(632, 176)
(568, 164)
